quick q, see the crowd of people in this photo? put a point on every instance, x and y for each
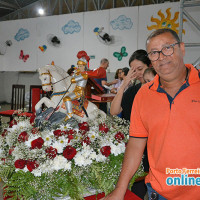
(159, 95)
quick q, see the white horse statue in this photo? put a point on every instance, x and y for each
(56, 79)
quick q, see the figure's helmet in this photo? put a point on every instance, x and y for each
(83, 58)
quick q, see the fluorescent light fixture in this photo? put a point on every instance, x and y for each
(41, 11)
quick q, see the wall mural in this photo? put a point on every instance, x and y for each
(43, 48)
(22, 56)
(120, 55)
(121, 23)
(71, 27)
(166, 22)
(22, 34)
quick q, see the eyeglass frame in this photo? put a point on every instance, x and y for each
(171, 45)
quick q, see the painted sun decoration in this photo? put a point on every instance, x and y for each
(166, 22)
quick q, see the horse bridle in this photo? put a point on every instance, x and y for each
(50, 83)
(49, 74)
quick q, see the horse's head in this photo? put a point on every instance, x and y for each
(51, 75)
(45, 77)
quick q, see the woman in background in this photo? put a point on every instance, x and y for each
(118, 82)
(123, 101)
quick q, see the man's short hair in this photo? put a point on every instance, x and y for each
(104, 60)
(161, 31)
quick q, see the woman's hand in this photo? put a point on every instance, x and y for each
(130, 76)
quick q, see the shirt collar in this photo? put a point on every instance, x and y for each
(194, 77)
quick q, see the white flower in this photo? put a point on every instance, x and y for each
(1, 152)
(117, 149)
(85, 156)
(25, 169)
(60, 144)
(79, 159)
(16, 153)
(100, 158)
(93, 135)
(47, 137)
(21, 126)
(46, 167)
(61, 162)
(37, 172)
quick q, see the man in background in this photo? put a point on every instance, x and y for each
(100, 77)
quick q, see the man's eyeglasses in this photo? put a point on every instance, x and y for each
(166, 51)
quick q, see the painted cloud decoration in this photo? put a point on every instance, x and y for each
(71, 27)
(121, 23)
(22, 34)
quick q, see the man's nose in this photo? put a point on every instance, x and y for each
(161, 56)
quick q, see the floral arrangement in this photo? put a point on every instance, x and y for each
(63, 160)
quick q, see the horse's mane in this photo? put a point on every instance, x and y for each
(48, 68)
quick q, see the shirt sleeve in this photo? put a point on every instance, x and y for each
(137, 128)
(98, 73)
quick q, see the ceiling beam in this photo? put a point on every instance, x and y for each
(8, 5)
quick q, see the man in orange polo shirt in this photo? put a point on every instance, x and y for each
(165, 115)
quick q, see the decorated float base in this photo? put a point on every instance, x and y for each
(62, 162)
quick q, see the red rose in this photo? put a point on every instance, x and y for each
(37, 143)
(84, 127)
(32, 118)
(32, 165)
(23, 136)
(119, 136)
(69, 152)
(4, 160)
(51, 152)
(106, 150)
(34, 130)
(13, 122)
(20, 163)
(4, 133)
(10, 151)
(71, 132)
(103, 128)
(70, 137)
(87, 141)
(58, 133)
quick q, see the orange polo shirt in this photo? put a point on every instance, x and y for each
(172, 126)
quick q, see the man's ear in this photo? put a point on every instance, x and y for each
(182, 47)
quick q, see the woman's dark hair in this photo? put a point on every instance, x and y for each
(140, 55)
(116, 73)
(125, 70)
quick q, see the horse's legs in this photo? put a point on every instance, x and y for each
(47, 103)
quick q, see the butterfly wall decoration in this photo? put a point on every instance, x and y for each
(22, 56)
(120, 55)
